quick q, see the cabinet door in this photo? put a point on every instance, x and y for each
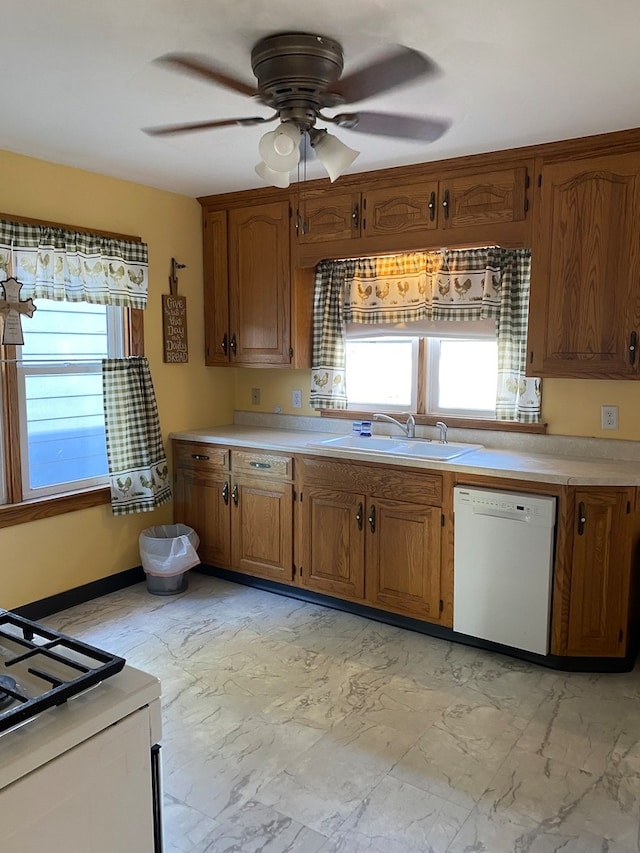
(600, 573)
(333, 541)
(216, 288)
(262, 528)
(484, 199)
(259, 284)
(331, 216)
(404, 557)
(585, 301)
(201, 501)
(400, 209)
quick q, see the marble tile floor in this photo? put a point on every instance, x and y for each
(289, 726)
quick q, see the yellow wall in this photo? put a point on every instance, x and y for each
(570, 406)
(46, 557)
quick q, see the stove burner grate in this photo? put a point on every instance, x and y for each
(8, 687)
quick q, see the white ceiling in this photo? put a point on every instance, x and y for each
(78, 82)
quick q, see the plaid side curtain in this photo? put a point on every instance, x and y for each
(519, 397)
(73, 266)
(138, 471)
(328, 389)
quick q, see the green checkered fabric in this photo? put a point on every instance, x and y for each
(451, 285)
(71, 266)
(138, 471)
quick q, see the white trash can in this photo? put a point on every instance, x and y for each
(167, 552)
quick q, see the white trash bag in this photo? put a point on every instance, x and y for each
(168, 549)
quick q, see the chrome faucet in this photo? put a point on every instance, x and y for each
(409, 429)
(443, 431)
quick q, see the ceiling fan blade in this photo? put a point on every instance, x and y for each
(206, 70)
(402, 66)
(388, 124)
(168, 129)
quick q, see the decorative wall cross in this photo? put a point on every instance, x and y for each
(11, 307)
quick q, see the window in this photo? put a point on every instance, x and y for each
(58, 391)
(459, 374)
(62, 434)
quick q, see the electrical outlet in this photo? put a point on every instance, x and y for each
(296, 399)
(609, 417)
(255, 396)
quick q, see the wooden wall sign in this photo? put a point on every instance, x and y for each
(174, 321)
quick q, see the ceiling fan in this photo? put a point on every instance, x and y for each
(299, 76)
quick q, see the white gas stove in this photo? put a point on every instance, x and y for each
(79, 746)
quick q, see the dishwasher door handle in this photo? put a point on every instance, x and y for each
(510, 516)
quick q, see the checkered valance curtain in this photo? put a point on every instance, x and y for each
(73, 266)
(138, 471)
(450, 285)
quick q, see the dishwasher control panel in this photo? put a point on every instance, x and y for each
(533, 508)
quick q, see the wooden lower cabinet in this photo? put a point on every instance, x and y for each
(240, 503)
(262, 528)
(404, 558)
(599, 593)
(201, 497)
(332, 534)
(363, 545)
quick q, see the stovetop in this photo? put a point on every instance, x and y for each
(41, 668)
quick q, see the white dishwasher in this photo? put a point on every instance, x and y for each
(503, 564)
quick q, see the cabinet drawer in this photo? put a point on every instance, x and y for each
(376, 480)
(259, 463)
(200, 455)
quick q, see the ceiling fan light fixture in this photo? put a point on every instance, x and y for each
(334, 155)
(280, 149)
(273, 177)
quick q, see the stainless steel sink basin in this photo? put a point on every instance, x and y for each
(393, 446)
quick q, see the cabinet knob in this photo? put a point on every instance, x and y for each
(225, 494)
(372, 518)
(633, 347)
(233, 344)
(445, 204)
(224, 343)
(260, 465)
(432, 206)
(355, 216)
(199, 456)
(359, 516)
(234, 494)
(582, 519)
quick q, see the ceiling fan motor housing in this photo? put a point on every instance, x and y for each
(294, 71)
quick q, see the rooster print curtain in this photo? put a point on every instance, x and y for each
(138, 470)
(451, 285)
(73, 266)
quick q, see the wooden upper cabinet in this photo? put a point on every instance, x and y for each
(216, 288)
(584, 314)
(400, 209)
(487, 198)
(375, 211)
(328, 216)
(247, 286)
(259, 284)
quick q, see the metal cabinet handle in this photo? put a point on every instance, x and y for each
(372, 518)
(260, 465)
(355, 216)
(445, 204)
(234, 494)
(633, 347)
(359, 516)
(224, 343)
(432, 206)
(225, 494)
(233, 344)
(582, 519)
(199, 456)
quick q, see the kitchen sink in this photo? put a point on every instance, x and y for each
(393, 446)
